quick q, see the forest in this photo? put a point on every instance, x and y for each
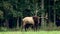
(13, 11)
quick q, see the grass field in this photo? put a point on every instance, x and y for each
(47, 30)
(30, 32)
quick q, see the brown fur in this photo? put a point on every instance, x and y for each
(34, 21)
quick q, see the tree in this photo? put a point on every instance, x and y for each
(1, 18)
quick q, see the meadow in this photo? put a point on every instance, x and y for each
(30, 32)
(47, 30)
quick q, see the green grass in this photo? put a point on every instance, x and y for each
(48, 30)
(30, 32)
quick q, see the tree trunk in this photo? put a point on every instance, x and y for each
(6, 23)
(54, 13)
(18, 23)
(42, 15)
(36, 11)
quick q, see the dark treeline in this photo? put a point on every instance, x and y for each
(12, 11)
